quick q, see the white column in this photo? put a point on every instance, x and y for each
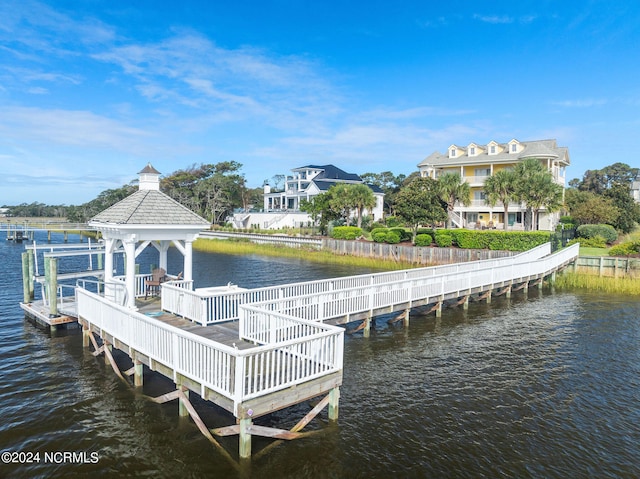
(188, 260)
(109, 246)
(164, 247)
(130, 278)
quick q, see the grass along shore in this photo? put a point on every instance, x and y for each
(565, 280)
(244, 247)
(605, 284)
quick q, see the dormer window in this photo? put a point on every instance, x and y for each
(453, 152)
(514, 147)
(492, 150)
(472, 151)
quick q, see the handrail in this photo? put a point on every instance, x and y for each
(223, 306)
(332, 304)
(238, 374)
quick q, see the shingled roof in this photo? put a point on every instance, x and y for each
(149, 207)
(531, 149)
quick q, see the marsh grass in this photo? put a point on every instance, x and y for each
(245, 247)
(598, 283)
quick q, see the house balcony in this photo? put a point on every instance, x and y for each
(475, 180)
(482, 205)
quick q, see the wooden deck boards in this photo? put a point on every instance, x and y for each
(224, 333)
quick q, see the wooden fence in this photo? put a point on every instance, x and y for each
(607, 266)
(411, 254)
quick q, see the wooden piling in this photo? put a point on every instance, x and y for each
(334, 400)
(182, 401)
(245, 438)
(138, 373)
(86, 332)
(26, 297)
(51, 278)
(31, 274)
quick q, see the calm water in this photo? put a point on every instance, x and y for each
(546, 386)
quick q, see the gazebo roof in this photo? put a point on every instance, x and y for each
(149, 207)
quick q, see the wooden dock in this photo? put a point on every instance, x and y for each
(253, 352)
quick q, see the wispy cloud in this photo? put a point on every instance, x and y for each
(505, 19)
(581, 103)
(69, 128)
(192, 71)
(495, 19)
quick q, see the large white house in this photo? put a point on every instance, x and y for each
(475, 163)
(281, 207)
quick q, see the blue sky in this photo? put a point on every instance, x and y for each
(90, 91)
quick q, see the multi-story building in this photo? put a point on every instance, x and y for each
(635, 189)
(475, 163)
(282, 206)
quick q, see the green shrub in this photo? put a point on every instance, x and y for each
(393, 237)
(378, 230)
(444, 240)
(497, 239)
(346, 232)
(595, 242)
(403, 233)
(379, 236)
(608, 232)
(625, 249)
(423, 239)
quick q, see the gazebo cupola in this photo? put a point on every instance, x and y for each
(149, 178)
(147, 217)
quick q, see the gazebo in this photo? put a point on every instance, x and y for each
(147, 217)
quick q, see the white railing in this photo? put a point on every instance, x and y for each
(370, 298)
(295, 241)
(236, 374)
(458, 219)
(223, 306)
(139, 282)
(475, 179)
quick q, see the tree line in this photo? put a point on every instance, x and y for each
(604, 197)
(214, 191)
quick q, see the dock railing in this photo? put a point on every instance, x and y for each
(375, 297)
(223, 306)
(238, 374)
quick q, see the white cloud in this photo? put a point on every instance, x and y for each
(78, 129)
(494, 19)
(581, 103)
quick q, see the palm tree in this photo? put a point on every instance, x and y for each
(346, 197)
(453, 189)
(536, 188)
(361, 198)
(501, 187)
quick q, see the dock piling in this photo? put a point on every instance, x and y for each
(245, 438)
(25, 278)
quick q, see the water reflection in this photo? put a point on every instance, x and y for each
(537, 386)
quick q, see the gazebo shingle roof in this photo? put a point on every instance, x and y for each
(149, 207)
